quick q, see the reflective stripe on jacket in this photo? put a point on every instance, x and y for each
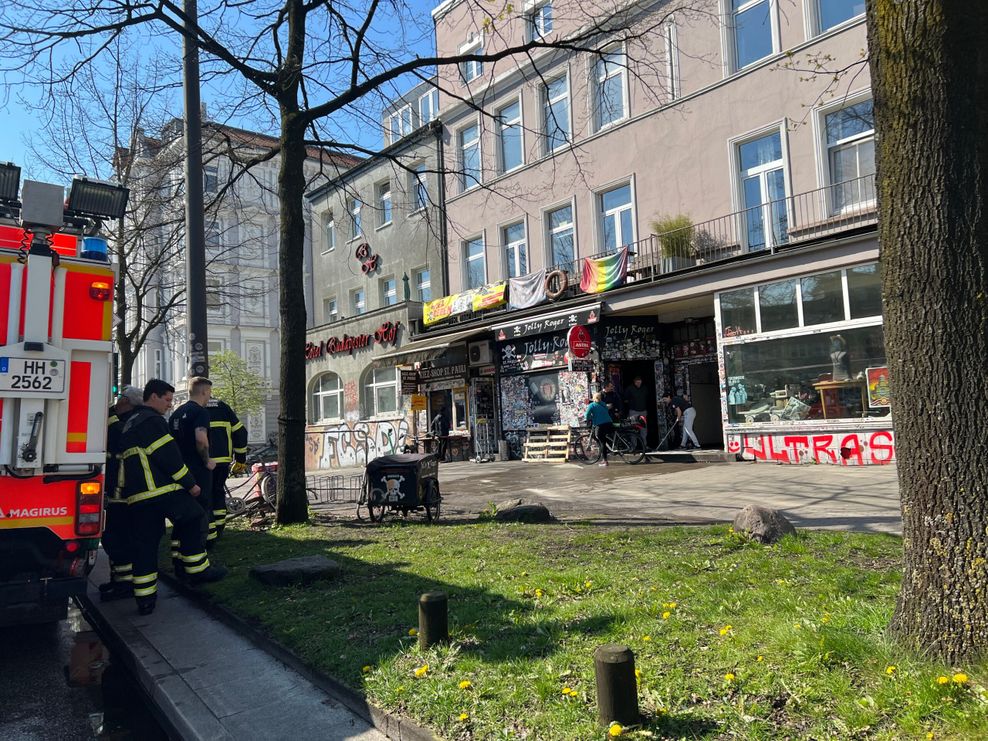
(151, 463)
(227, 434)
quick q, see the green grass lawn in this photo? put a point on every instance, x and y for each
(731, 639)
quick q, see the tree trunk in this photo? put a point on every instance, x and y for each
(292, 500)
(929, 64)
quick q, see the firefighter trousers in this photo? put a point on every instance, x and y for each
(218, 518)
(188, 529)
(117, 540)
(204, 478)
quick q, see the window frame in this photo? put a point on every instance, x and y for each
(317, 395)
(461, 153)
(737, 181)
(519, 248)
(210, 179)
(334, 316)
(537, 30)
(419, 186)
(597, 84)
(514, 124)
(731, 62)
(358, 308)
(474, 45)
(329, 233)
(405, 124)
(813, 13)
(354, 209)
(369, 388)
(388, 294)
(384, 203)
(825, 164)
(433, 105)
(548, 233)
(547, 104)
(417, 274)
(602, 214)
(467, 259)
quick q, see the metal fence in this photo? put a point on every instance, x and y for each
(334, 489)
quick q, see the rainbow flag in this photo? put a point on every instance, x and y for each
(604, 273)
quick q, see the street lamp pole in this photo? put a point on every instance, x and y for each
(195, 240)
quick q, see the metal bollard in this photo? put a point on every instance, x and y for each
(617, 687)
(434, 619)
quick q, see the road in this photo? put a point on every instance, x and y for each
(58, 683)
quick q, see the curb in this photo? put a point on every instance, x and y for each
(393, 726)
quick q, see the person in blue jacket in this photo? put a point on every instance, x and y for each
(599, 417)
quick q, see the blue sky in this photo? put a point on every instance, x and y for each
(403, 37)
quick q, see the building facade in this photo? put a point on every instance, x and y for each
(377, 256)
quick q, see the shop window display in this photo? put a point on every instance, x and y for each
(864, 291)
(818, 376)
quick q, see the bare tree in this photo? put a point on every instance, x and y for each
(318, 68)
(929, 64)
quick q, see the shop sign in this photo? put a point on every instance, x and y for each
(409, 382)
(629, 339)
(579, 341)
(386, 334)
(418, 402)
(442, 372)
(490, 297)
(879, 395)
(447, 306)
(368, 262)
(520, 356)
(550, 323)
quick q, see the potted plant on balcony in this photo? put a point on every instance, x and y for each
(675, 235)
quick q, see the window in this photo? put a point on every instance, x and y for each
(419, 187)
(832, 13)
(864, 291)
(210, 178)
(540, 21)
(214, 297)
(384, 202)
(510, 136)
(737, 313)
(763, 192)
(617, 228)
(253, 299)
(214, 237)
(822, 298)
(400, 123)
(515, 251)
(329, 233)
(751, 25)
(561, 246)
(355, 208)
(610, 93)
(428, 107)
(326, 401)
(389, 291)
(215, 347)
(556, 124)
(358, 302)
(470, 156)
(158, 369)
(330, 311)
(777, 306)
(380, 391)
(423, 285)
(476, 269)
(474, 68)
(851, 154)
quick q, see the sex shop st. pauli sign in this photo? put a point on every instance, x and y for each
(386, 334)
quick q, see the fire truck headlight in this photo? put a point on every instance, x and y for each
(97, 198)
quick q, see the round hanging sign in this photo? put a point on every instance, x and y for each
(579, 341)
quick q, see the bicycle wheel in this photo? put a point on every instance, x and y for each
(376, 505)
(234, 505)
(591, 448)
(629, 447)
(269, 489)
(433, 499)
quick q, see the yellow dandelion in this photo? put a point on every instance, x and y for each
(672, 605)
(567, 690)
(422, 670)
(825, 618)
(646, 638)
(726, 629)
(759, 658)
(366, 669)
(930, 735)
(960, 678)
(539, 593)
(413, 631)
(943, 680)
(588, 584)
(890, 669)
(615, 730)
(729, 677)
(666, 615)
(464, 717)
(466, 684)
(797, 626)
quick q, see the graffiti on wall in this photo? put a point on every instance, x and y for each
(351, 444)
(841, 448)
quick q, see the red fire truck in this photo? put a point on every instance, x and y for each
(56, 316)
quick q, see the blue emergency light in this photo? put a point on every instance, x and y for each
(94, 248)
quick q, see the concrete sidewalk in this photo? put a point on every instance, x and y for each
(858, 498)
(208, 682)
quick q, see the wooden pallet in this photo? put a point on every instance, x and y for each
(547, 444)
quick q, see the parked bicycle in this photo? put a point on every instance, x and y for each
(259, 493)
(626, 443)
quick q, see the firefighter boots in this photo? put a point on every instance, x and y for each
(114, 590)
(145, 605)
(211, 574)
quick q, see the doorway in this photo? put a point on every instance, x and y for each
(705, 396)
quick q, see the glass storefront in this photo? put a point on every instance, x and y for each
(809, 348)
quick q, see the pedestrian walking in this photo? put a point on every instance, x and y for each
(686, 414)
(598, 417)
(156, 485)
(636, 397)
(190, 428)
(116, 539)
(228, 448)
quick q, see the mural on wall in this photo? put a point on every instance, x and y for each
(840, 448)
(515, 409)
(629, 340)
(351, 401)
(574, 395)
(351, 444)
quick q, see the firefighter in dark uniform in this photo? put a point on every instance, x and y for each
(157, 484)
(117, 530)
(228, 447)
(190, 428)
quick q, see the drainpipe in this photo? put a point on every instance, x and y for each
(438, 129)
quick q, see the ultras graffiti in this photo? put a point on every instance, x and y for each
(842, 448)
(353, 443)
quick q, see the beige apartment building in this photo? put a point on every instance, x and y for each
(715, 142)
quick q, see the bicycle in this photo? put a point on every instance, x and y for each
(626, 443)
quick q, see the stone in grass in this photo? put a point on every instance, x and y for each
(762, 524)
(516, 510)
(303, 570)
